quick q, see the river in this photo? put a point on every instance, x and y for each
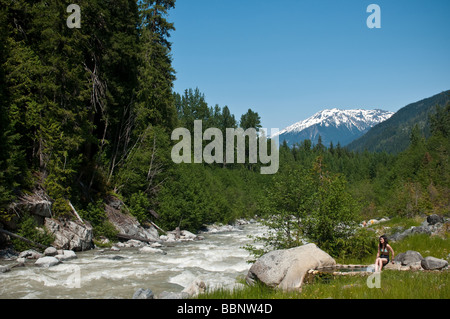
(218, 260)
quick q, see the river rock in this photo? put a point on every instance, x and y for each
(50, 251)
(131, 243)
(30, 254)
(196, 287)
(70, 235)
(4, 269)
(47, 261)
(65, 255)
(286, 269)
(185, 234)
(432, 263)
(21, 261)
(8, 253)
(143, 294)
(148, 249)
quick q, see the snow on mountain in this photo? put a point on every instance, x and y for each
(333, 125)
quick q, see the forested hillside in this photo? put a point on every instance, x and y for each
(393, 134)
(80, 107)
(88, 112)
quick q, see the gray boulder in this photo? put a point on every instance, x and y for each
(408, 258)
(434, 219)
(129, 225)
(50, 251)
(432, 263)
(286, 269)
(64, 255)
(47, 261)
(143, 294)
(4, 269)
(70, 235)
(400, 235)
(30, 254)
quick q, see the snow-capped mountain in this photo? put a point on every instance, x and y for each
(333, 125)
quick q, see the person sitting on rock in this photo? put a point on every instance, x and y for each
(383, 253)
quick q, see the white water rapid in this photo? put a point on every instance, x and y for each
(218, 260)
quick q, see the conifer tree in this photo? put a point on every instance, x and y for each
(155, 101)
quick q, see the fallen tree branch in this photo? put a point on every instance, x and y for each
(157, 227)
(75, 212)
(23, 239)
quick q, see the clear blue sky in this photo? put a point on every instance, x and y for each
(288, 59)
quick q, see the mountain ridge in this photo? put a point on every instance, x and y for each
(393, 135)
(333, 125)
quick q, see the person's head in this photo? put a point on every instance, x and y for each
(383, 241)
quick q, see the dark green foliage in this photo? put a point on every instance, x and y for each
(139, 206)
(96, 215)
(84, 111)
(155, 101)
(197, 195)
(27, 228)
(250, 120)
(393, 135)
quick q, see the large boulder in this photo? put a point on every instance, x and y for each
(432, 263)
(408, 258)
(286, 269)
(47, 261)
(127, 224)
(70, 235)
(64, 255)
(30, 254)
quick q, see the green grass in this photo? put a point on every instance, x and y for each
(393, 285)
(400, 222)
(426, 245)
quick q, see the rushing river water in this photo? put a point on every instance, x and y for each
(218, 260)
